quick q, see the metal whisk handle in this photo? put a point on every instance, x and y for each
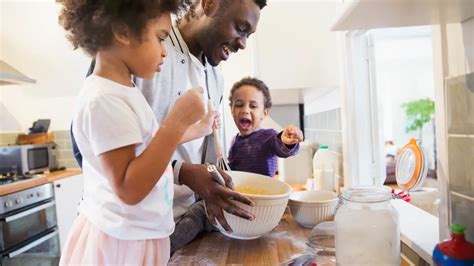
(215, 174)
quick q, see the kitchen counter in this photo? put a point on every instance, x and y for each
(419, 230)
(284, 242)
(36, 181)
(57, 175)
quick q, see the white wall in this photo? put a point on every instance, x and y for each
(296, 49)
(321, 100)
(33, 42)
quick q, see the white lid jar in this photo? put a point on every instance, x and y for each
(367, 229)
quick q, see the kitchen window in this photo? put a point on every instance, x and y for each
(387, 70)
(390, 71)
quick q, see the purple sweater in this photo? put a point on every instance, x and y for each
(258, 152)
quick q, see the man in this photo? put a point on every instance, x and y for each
(205, 36)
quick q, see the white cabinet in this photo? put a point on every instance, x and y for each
(68, 193)
(366, 14)
(295, 48)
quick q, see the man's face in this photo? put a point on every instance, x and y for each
(228, 30)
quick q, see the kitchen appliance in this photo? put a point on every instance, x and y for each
(28, 227)
(26, 159)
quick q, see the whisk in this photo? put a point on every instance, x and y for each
(221, 160)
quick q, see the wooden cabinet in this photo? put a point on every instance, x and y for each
(68, 193)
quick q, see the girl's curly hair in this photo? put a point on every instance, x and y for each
(89, 23)
(254, 82)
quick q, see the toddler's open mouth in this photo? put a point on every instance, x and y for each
(245, 124)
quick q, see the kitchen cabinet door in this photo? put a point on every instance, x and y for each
(68, 193)
(295, 48)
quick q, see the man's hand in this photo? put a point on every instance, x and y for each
(216, 196)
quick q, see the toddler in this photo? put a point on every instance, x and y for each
(254, 149)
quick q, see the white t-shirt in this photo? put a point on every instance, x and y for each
(183, 71)
(109, 116)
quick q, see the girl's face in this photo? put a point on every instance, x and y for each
(248, 109)
(146, 57)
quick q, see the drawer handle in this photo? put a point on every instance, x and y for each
(28, 212)
(32, 245)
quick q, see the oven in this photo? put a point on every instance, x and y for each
(28, 228)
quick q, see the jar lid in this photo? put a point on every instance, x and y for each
(411, 169)
(367, 194)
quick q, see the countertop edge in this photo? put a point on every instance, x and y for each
(419, 230)
(37, 181)
(58, 175)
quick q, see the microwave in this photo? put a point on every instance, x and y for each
(26, 159)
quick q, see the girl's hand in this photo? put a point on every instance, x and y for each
(201, 129)
(209, 122)
(188, 109)
(291, 135)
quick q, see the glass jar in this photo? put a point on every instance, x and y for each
(367, 229)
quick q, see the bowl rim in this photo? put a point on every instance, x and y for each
(313, 202)
(267, 197)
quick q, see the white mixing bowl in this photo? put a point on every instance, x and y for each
(268, 209)
(312, 207)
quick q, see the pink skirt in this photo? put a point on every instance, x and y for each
(87, 245)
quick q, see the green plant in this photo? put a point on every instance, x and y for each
(418, 112)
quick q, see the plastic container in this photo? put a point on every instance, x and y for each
(322, 237)
(456, 251)
(367, 228)
(296, 170)
(323, 169)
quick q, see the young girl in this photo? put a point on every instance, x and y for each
(256, 150)
(125, 216)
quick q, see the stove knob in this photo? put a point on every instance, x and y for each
(19, 201)
(8, 204)
(39, 194)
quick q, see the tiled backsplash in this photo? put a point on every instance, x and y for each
(460, 121)
(64, 149)
(324, 128)
(62, 139)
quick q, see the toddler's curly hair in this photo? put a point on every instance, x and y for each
(258, 84)
(89, 23)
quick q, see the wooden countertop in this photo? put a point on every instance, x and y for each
(36, 181)
(57, 175)
(285, 241)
